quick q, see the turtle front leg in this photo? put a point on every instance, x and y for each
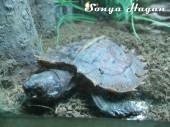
(121, 108)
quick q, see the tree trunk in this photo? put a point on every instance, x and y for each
(43, 12)
(18, 35)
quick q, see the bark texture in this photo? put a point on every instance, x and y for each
(43, 12)
(18, 35)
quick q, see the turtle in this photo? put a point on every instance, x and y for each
(100, 66)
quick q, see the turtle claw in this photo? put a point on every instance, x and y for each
(133, 51)
(141, 58)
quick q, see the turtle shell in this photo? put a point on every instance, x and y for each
(101, 61)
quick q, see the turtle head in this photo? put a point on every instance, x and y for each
(44, 86)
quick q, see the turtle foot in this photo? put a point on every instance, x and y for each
(122, 108)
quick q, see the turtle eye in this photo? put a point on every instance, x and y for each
(38, 88)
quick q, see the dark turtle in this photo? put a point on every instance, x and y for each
(99, 65)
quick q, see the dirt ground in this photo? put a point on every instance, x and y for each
(155, 48)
